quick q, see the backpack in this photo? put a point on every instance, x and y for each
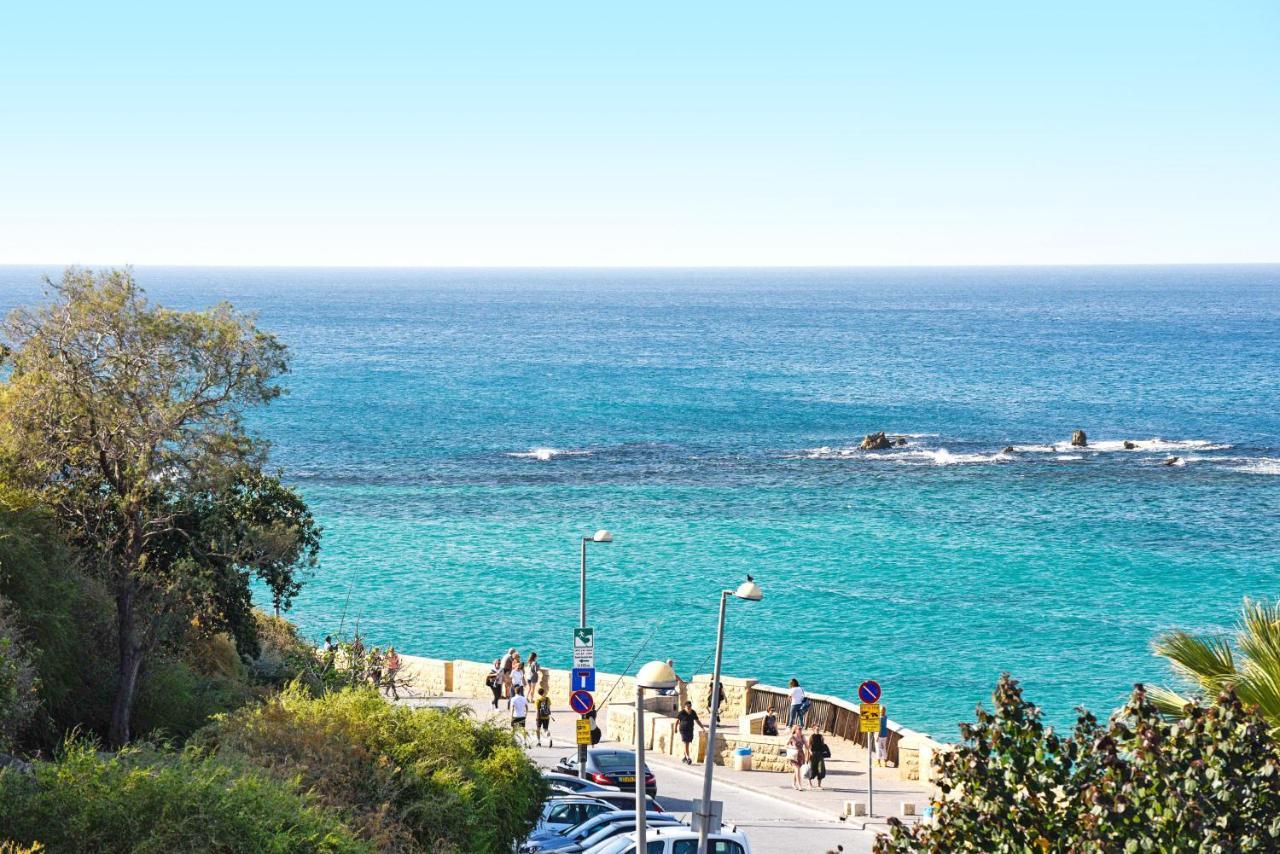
(544, 707)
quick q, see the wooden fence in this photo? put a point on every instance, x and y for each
(830, 714)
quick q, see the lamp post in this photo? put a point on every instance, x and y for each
(600, 536)
(658, 676)
(748, 591)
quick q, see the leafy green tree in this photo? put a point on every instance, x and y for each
(127, 419)
(1207, 782)
(1250, 667)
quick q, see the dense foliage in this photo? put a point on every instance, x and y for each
(142, 802)
(405, 778)
(19, 697)
(1208, 781)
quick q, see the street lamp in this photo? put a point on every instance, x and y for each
(748, 591)
(600, 536)
(658, 676)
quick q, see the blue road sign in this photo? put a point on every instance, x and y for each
(869, 691)
(581, 702)
(583, 679)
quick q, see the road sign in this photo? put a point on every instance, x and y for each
(582, 679)
(869, 691)
(581, 702)
(869, 717)
(584, 731)
(584, 648)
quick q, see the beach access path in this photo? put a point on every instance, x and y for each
(776, 818)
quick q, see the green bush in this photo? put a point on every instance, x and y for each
(19, 697)
(139, 802)
(1207, 782)
(404, 778)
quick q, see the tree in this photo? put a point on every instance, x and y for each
(127, 418)
(1214, 666)
(1209, 781)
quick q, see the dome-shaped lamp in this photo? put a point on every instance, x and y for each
(602, 536)
(657, 676)
(749, 590)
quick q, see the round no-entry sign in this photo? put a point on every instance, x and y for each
(869, 691)
(581, 702)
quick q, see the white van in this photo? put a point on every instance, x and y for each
(675, 840)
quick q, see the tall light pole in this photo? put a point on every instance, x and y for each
(658, 676)
(748, 591)
(600, 536)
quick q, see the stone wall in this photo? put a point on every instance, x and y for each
(736, 695)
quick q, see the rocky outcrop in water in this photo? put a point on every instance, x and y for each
(876, 442)
(1079, 439)
(1129, 446)
(1008, 449)
(1172, 461)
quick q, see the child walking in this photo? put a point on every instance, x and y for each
(543, 720)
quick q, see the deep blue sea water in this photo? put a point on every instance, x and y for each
(457, 431)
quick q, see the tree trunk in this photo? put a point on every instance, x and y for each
(129, 666)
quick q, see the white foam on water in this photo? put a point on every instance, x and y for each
(1264, 465)
(1153, 445)
(1069, 457)
(547, 454)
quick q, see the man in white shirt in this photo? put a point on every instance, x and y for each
(519, 710)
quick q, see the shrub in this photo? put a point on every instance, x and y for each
(405, 778)
(19, 700)
(1209, 781)
(139, 802)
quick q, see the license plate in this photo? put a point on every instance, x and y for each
(627, 779)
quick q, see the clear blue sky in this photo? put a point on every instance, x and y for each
(689, 133)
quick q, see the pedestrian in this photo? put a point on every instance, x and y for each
(685, 722)
(392, 664)
(819, 753)
(533, 677)
(330, 652)
(717, 696)
(517, 676)
(494, 681)
(543, 720)
(595, 728)
(796, 750)
(769, 726)
(882, 739)
(375, 667)
(519, 711)
(799, 704)
(507, 661)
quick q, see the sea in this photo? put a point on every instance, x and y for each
(457, 432)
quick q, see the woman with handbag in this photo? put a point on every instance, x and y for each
(819, 753)
(796, 755)
(494, 681)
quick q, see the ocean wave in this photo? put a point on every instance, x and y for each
(1263, 465)
(1104, 446)
(547, 454)
(938, 457)
(1066, 458)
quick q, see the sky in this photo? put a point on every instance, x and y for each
(689, 134)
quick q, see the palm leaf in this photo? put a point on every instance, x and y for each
(1208, 662)
(1168, 702)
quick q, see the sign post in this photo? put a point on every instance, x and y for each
(869, 713)
(583, 681)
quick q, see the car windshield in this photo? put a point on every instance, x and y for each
(616, 762)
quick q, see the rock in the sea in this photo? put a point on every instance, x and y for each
(900, 441)
(875, 442)
(1129, 446)
(1008, 449)
(1172, 461)
(1079, 439)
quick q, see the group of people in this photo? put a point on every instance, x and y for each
(380, 669)
(516, 680)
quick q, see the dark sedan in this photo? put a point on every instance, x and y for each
(609, 766)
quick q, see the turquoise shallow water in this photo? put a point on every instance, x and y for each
(456, 432)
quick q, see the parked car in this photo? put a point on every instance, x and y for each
(627, 800)
(561, 813)
(591, 832)
(610, 766)
(575, 784)
(674, 840)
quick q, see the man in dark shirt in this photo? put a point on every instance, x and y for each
(685, 721)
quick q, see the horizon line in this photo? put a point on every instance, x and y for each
(479, 267)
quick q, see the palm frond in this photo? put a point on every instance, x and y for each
(1205, 661)
(1169, 703)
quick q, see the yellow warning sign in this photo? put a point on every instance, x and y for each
(584, 731)
(869, 717)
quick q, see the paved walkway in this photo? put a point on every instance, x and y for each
(776, 818)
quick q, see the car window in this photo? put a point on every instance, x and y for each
(714, 846)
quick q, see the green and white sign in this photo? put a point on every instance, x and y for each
(584, 647)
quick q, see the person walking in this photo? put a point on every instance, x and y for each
(533, 677)
(796, 755)
(718, 697)
(882, 739)
(494, 681)
(392, 664)
(799, 704)
(542, 720)
(507, 661)
(375, 668)
(517, 676)
(685, 722)
(819, 753)
(519, 711)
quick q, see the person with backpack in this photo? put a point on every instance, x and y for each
(819, 753)
(494, 681)
(542, 721)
